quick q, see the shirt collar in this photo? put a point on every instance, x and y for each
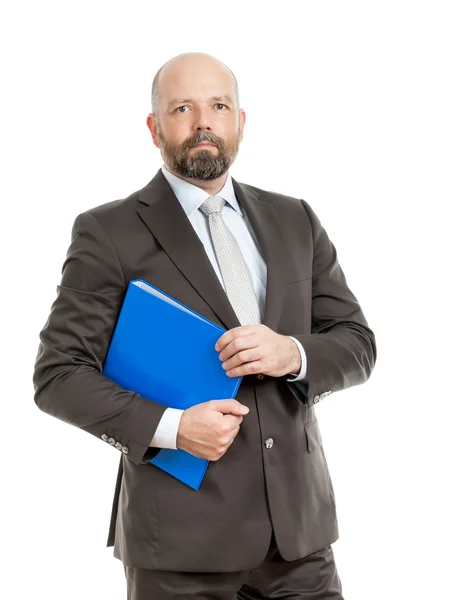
(192, 197)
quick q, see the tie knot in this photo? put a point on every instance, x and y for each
(212, 205)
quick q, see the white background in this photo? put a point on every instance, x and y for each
(348, 108)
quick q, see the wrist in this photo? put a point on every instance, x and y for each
(180, 440)
(295, 363)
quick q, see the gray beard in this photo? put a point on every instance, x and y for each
(203, 166)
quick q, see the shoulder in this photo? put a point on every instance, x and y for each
(281, 202)
(110, 212)
(118, 216)
(110, 218)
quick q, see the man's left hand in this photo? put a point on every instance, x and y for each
(253, 349)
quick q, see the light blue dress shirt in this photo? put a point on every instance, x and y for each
(191, 198)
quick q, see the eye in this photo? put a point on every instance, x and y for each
(180, 107)
(222, 106)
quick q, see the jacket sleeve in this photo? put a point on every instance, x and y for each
(68, 379)
(340, 349)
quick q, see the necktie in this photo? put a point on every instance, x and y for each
(234, 270)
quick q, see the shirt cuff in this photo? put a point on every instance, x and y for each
(167, 430)
(302, 373)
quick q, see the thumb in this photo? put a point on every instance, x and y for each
(229, 406)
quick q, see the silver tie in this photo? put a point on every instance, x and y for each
(234, 270)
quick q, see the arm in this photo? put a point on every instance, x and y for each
(341, 348)
(68, 379)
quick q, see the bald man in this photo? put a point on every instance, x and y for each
(260, 265)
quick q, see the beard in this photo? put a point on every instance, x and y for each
(203, 165)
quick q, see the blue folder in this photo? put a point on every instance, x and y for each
(164, 351)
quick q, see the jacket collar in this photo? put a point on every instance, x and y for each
(162, 213)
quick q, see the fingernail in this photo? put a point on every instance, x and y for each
(244, 409)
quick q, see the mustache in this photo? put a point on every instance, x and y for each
(203, 136)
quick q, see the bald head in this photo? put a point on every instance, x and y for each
(180, 72)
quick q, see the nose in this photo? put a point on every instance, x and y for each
(202, 119)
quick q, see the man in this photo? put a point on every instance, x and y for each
(260, 265)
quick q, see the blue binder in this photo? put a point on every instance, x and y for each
(164, 351)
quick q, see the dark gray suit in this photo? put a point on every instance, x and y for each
(275, 473)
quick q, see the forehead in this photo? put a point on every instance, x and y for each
(199, 80)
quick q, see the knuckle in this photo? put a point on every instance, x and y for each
(240, 344)
(242, 356)
(223, 431)
(223, 446)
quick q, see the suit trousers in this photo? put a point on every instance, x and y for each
(313, 577)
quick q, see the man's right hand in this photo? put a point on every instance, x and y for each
(208, 429)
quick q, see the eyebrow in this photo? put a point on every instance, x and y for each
(225, 98)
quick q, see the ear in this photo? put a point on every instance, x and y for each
(152, 124)
(242, 120)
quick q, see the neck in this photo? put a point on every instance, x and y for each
(212, 187)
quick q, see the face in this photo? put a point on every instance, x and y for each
(199, 126)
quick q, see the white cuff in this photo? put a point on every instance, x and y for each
(167, 430)
(302, 373)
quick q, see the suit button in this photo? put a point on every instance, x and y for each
(268, 443)
(260, 376)
(118, 446)
(111, 441)
(316, 399)
(105, 437)
(125, 450)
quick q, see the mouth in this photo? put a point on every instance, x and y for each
(205, 145)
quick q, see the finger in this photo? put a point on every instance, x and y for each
(242, 357)
(233, 421)
(227, 406)
(232, 334)
(239, 344)
(234, 433)
(246, 369)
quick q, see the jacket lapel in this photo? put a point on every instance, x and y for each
(165, 218)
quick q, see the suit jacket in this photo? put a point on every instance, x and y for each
(275, 473)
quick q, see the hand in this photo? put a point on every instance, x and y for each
(252, 349)
(208, 429)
